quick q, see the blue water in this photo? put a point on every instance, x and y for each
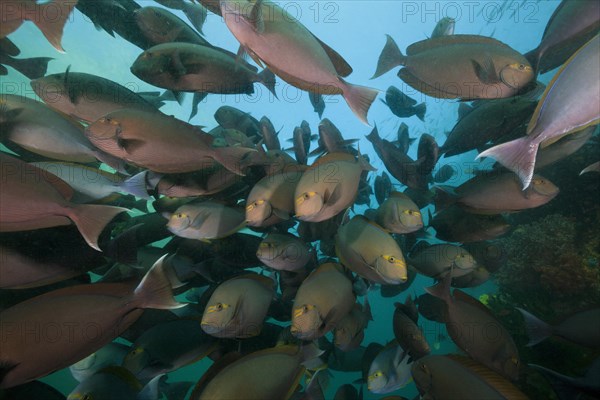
(356, 29)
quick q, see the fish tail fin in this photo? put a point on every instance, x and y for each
(51, 18)
(310, 356)
(267, 78)
(444, 197)
(359, 98)
(91, 219)
(390, 57)
(537, 330)
(517, 155)
(33, 68)
(198, 97)
(374, 135)
(115, 163)
(154, 291)
(233, 158)
(533, 57)
(136, 185)
(123, 248)
(420, 111)
(441, 289)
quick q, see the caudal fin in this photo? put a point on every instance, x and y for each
(420, 111)
(136, 185)
(390, 57)
(91, 219)
(267, 78)
(51, 18)
(537, 330)
(517, 155)
(154, 291)
(444, 197)
(359, 98)
(234, 158)
(33, 68)
(441, 290)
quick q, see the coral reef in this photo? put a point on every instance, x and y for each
(552, 271)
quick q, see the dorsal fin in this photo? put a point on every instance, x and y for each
(332, 157)
(444, 41)
(506, 389)
(341, 66)
(459, 295)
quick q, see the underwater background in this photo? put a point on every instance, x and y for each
(549, 258)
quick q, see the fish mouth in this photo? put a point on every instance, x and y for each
(209, 328)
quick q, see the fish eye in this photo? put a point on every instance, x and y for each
(86, 397)
(522, 67)
(391, 259)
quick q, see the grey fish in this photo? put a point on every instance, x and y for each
(563, 148)
(454, 377)
(162, 143)
(404, 140)
(571, 25)
(33, 199)
(114, 382)
(576, 84)
(367, 249)
(439, 260)
(167, 347)
(486, 123)
(197, 68)
(331, 139)
(269, 134)
(447, 66)
(407, 331)
(206, 220)
(398, 164)
(280, 369)
(497, 193)
(329, 186)
(383, 187)
(456, 225)
(41, 130)
(271, 199)
(32, 68)
(108, 308)
(444, 27)
(323, 299)
(567, 387)
(576, 328)
(162, 26)
(464, 313)
(445, 173)
(85, 96)
(195, 13)
(350, 331)
(283, 252)
(399, 214)
(238, 307)
(390, 370)
(111, 354)
(403, 106)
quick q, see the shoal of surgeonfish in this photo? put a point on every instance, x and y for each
(268, 243)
